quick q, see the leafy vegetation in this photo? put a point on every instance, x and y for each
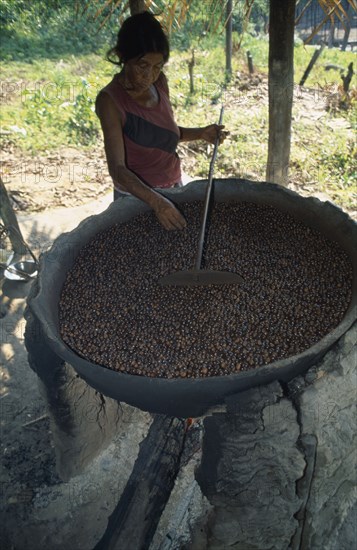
(50, 29)
(58, 58)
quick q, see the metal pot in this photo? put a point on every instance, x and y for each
(188, 397)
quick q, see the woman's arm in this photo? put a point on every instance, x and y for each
(207, 133)
(111, 124)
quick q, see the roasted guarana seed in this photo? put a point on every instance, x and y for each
(297, 288)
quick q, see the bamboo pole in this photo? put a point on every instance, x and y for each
(312, 62)
(8, 216)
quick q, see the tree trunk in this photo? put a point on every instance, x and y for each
(137, 6)
(229, 40)
(281, 83)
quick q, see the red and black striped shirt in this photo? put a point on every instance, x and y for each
(150, 135)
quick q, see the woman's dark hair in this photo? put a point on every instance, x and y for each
(140, 34)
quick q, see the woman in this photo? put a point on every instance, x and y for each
(140, 134)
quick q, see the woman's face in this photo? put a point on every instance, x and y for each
(141, 72)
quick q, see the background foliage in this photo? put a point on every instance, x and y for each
(53, 65)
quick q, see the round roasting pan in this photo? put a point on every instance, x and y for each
(188, 397)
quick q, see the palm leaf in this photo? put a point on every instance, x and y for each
(331, 7)
(297, 20)
(113, 8)
(102, 8)
(173, 13)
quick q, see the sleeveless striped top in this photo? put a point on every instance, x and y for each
(150, 135)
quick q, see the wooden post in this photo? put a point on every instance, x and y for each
(250, 62)
(191, 64)
(229, 10)
(281, 82)
(347, 79)
(313, 60)
(134, 520)
(8, 216)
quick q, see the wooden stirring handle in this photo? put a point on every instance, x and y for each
(207, 199)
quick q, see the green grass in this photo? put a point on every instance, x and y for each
(49, 103)
(319, 76)
(52, 102)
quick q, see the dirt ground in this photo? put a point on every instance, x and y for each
(69, 177)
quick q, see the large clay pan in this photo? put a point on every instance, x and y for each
(188, 397)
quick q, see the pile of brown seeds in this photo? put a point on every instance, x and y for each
(297, 287)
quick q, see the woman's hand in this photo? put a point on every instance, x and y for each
(207, 133)
(168, 215)
(212, 132)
